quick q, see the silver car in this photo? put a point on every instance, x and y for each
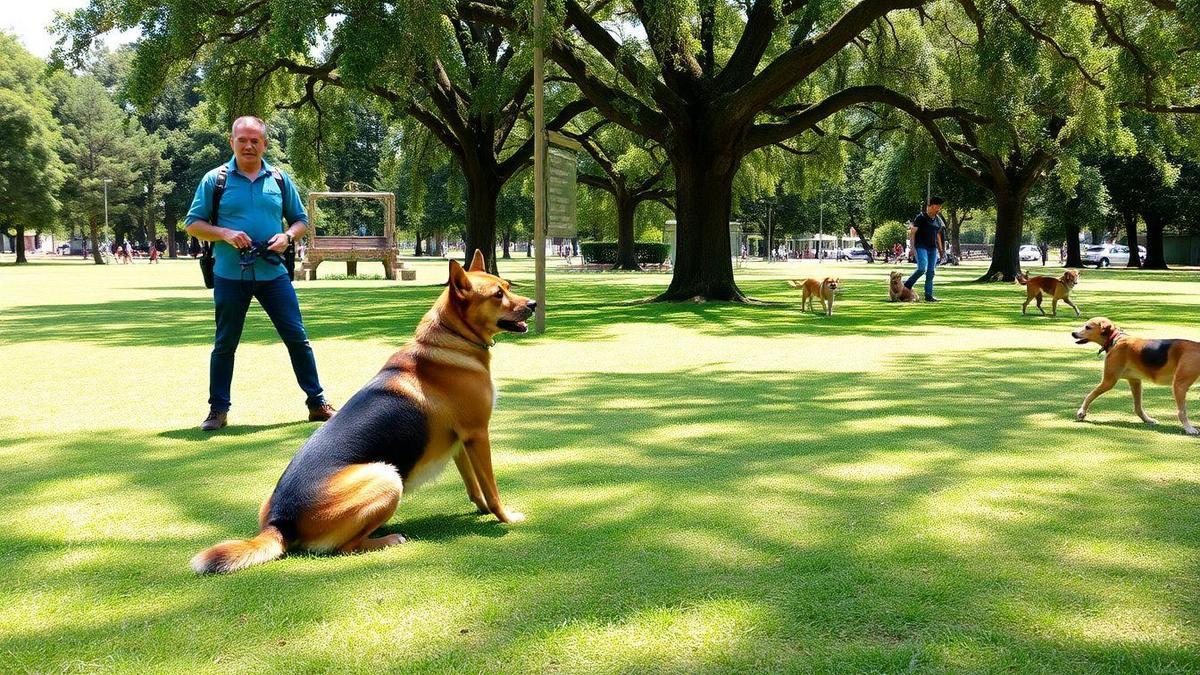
(1103, 255)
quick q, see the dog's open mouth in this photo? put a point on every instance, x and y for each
(513, 326)
(1079, 340)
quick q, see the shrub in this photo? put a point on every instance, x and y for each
(605, 252)
(888, 235)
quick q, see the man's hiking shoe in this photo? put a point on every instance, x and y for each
(930, 298)
(216, 419)
(321, 413)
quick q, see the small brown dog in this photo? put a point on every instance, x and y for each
(1057, 289)
(1135, 359)
(897, 291)
(820, 288)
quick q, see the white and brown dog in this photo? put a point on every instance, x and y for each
(1136, 359)
(816, 288)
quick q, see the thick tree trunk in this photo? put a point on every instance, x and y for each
(704, 196)
(1155, 255)
(1074, 259)
(94, 232)
(956, 222)
(172, 224)
(482, 192)
(1135, 257)
(626, 208)
(1010, 222)
(19, 244)
(506, 243)
(417, 247)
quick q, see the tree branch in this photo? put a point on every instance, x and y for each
(1048, 39)
(760, 135)
(802, 60)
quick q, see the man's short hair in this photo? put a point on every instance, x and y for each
(248, 119)
(933, 201)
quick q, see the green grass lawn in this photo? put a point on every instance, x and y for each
(709, 487)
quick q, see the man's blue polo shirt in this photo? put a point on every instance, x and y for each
(255, 208)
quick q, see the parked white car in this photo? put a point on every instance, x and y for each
(1030, 252)
(1103, 255)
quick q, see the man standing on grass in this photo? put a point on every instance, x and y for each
(926, 240)
(250, 211)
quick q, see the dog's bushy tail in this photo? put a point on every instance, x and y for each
(238, 554)
(796, 283)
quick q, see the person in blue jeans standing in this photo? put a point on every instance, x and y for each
(927, 242)
(251, 210)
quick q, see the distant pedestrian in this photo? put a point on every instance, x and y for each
(1044, 248)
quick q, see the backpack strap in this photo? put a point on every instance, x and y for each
(222, 178)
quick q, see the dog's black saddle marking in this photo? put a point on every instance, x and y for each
(1156, 352)
(375, 425)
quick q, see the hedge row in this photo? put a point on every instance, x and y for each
(605, 252)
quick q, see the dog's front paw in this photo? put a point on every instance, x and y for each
(1191, 431)
(1149, 420)
(511, 517)
(1081, 414)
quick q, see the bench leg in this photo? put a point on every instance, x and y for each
(312, 270)
(351, 268)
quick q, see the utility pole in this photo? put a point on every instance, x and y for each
(539, 170)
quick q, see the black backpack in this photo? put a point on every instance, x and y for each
(206, 254)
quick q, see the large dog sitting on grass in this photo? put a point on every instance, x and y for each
(1136, 359)
(431, 401)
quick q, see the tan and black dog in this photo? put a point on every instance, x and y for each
(431, 401)
(1056, 288)
(816, 288)
(897, 291)
(1135, 359)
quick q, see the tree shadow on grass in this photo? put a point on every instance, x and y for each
(813, 520)
(578, 312)
(193, 433)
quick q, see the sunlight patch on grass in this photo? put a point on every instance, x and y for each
(700, 636)
(894, 422)
(110, 509)
(1126, 556)
(867, 472)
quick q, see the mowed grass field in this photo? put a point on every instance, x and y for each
(708, 487)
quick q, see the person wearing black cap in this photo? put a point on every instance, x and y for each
(926, 240)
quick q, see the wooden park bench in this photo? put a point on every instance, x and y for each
(352, 249)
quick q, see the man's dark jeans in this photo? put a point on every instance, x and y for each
(278, 298)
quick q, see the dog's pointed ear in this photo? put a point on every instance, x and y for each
(1106, 329)
(478, 264)
(459, 281)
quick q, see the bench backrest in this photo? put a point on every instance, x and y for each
(349, 243)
